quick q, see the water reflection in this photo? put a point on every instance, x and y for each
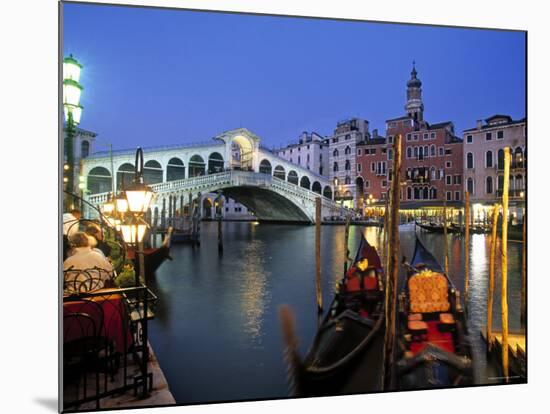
(216, 331)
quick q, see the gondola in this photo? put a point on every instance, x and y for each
(437, 228)
(353, 326)
(432, 331)
(152, 257)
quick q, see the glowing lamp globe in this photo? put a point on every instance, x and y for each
(71, 68)
(139, 197)
(121, 204)
(133, 233)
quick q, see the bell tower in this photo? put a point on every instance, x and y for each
(414, 106)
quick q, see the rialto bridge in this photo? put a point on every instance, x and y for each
(234, 163)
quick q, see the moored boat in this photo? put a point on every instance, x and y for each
(437, 228)
(353, 326)
(432, 330)
(152, 257)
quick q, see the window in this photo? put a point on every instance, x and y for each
(359, 151)
(448, 164)
(469, 139)
(291, 150)
(420, 153)
(489, 159)
(347, 180)
(457, 195)
(440, 151)
(448, 179)
(384, 183)
(488, 136)
(489, 185)
(335, 152)
(433, 193)
(308, 157)
(358, 167)
(441, 174)
(409, 193)
(335, 168)
(348, 136)
(426, 151)
(347, 151)
(448, 151)
(415, 152)
(458, 179)
(470, 186)
(409, 152)
(426, 137)
(500, 159)
(408, 137)
(415, 137)
(391, 125)
(335, 139)
(372, 166)
(469, 161)
(347, 166)
(500, 134)
(449, 196)
(432, 135)
(373, 151)
(433, 173)
(84, 149)
(390, 154)
(298, 159)
(390, 139)
(367, 184)
(432, 151)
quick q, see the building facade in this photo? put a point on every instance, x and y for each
(484, 163)
(342, 150)
(431, 154)
(311, 153)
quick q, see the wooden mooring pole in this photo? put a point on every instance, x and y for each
(393, 270)
(346, 244)
(446, 243)
(466, 247)
(318, 253)
(219, 213)
(523, 315)
(491, 293)
(504, 264)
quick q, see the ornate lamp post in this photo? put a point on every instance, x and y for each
(73, 112)
(134, 203)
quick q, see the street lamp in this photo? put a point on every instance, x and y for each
(72, 110)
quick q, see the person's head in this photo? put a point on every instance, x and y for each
(76, 214)
(94, 230)
(362, 264)
(79, 239)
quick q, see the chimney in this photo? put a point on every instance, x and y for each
(479, 123)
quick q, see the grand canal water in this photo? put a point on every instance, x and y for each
(216, 332)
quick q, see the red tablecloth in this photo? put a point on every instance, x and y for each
(114, 317)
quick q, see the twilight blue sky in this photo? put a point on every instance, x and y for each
(154, 77)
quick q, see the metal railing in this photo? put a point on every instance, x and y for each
(112, 358)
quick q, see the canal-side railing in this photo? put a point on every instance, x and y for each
(105, 345)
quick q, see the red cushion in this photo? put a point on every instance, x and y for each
(370, 283)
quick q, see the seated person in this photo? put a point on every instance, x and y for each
(70, 226)
(94, 231)
(86, 269)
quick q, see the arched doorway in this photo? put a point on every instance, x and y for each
(99, 180)
(293, 177)
(175, 170)
(327, 192)
(207, 207)
(305, 183)
(265, 167)
(196, 166)
(215, 163)
(241, 153)
(152, 172)
(124, 175)
(279, 172)
(316, 187)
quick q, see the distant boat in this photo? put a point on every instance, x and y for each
(432, 332)
(437, 228)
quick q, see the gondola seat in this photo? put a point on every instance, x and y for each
(428, 292)
(417, 329)
(446, 318)
(414, 317)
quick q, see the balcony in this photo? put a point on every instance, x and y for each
(512, 193)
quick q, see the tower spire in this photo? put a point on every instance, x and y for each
(414, 105)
